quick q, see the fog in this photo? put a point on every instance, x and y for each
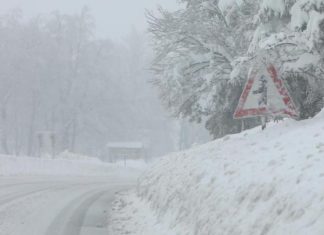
(75, 76)
(113, 18)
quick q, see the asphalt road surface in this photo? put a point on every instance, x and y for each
(57, 205)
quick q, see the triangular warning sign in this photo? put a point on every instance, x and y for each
(265, 95)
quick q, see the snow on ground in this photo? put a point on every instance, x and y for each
(256, 182)
(74, 156)
(69, 194)
(64, 165)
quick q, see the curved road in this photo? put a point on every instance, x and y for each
(57, 205)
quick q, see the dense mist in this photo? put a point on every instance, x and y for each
(58, 80)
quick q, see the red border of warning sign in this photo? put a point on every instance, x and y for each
(290, 110)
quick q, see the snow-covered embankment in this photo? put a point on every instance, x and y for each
(256, 182)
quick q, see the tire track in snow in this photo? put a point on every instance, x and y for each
(20, 195)
(72, 206)
(69, 221)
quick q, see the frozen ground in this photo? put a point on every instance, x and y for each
(59, 197)
(252, 183)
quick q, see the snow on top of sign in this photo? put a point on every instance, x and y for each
(135, 145)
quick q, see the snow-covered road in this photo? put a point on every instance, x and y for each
(57, 205)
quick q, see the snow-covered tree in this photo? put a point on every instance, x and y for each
(204, 50)
(289, 35)
(195, 50)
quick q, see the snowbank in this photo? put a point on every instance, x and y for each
(269, 182)
(14, 166)
(76, 157)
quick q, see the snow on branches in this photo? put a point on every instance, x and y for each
(203, 53)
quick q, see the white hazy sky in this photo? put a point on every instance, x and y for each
(114, 18)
